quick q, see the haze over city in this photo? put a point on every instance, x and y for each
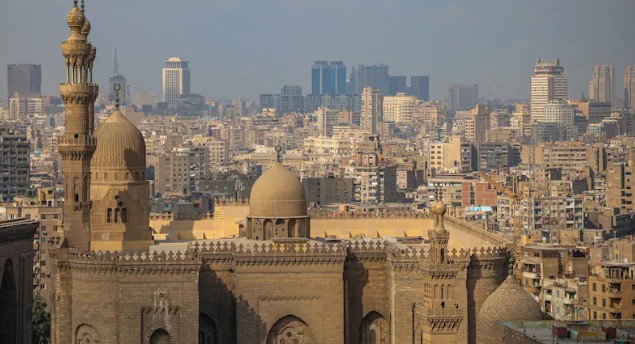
(244, 48)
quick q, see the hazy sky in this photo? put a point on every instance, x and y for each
(241, 48)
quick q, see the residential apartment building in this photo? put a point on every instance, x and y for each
(612, 291)
(399, 108)
(325, 191)
(14, 164)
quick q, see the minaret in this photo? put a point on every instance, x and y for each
(77, 145)
(439, 236)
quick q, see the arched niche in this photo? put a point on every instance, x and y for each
(373, 329)
(8, 304)
(290, 330)
(207, 333)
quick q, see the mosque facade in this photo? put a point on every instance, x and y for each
(276, 283)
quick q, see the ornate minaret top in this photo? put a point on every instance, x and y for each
(77, 144)
(439, 236)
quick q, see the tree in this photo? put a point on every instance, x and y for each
(41, 322)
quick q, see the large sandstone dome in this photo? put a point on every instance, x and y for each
(509, 302)
(278, 193)
(120, 145)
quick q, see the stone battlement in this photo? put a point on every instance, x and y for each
(323, 215)
(231, 201)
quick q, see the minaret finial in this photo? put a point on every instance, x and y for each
(278, 149)
(74, 3)
(117, 88)
(82, 5)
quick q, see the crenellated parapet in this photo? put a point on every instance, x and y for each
(271, 253)
(318, 214)
(128, 262)
(220, 201)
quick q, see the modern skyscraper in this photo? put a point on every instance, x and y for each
(14, 165)
(78, 143)
(602, 86)
(372, 110)
(117, 78)
(375, 76)
(463, 96)
(24, 78)
(397, 84)
(290, 99)
(547, 83)
(629, 87)
(176, 80)
(328, 78)
(420, 87)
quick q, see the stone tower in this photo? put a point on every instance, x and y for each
(120, 215)
(439, 315)
(77, 145)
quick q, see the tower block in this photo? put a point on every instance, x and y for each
(77, 144)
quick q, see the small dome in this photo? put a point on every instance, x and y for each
(86, 28)
(509, 302)
(278, 193)
(75, 18)
(120, 145)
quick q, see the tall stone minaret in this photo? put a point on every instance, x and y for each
(77, 145)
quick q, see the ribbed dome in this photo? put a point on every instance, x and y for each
(120, 145)
(75, 18)
(86, 27)
(509, 302)
(278, 193)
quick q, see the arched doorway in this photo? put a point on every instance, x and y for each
(290, 330)
(206, 330)
(8, 304)
(160, 336)
(86, 334)
(373, 329)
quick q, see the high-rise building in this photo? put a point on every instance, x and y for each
(463, 96)
(372, 110)
(176, 80)
(328, 78)
(547, 83)
(290, 99)
(629, 87)
(397, 84)
(25, 105)
(326, 119)
(602, 86)
(560, 112)
(399, 108)
(24, 78)
(117, 78)
(14, 165)
(477, 124)
(375, 76)
(420, 87)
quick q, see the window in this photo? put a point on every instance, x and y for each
(595, 301)
(116, 215)
(603, 302)
(603, 288)
(594, 287)
(109, 215)
(124, 215)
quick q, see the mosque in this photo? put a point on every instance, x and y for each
(275, 283)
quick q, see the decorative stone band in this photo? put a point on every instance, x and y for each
(83, 93)
(18, 229)
(439, 320)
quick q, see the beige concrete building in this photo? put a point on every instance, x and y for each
(372, 111)
(477, 124)
(611, 291)
(629, 87)
(602, 85)
(547, 83)
(399, 108)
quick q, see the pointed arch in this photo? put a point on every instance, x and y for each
(8, 304)
(290, 329)
(373, 329)
(160, 336)
(207, 333)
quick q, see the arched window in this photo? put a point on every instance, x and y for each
(127, 175)
(105, 175)
(124, 215)
(116, 215)
(160, 336)
(96, 175)
(109, 215)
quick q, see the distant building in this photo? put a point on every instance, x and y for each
(477, 123)
(375, 76)
(629, 87)
(372, 110)
(563, 114)
(399, 108)
(420, 87)
(26, 78)
(496, 156)
(463, 97)
(290, 99)
(176, 80)
(117, 78)
(547, 83)
(326, 119)
(26, 105)
(14, 165)
(602, 86)
(323, 191)
(328, 78)
(397, 84)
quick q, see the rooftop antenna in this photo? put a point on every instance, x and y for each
(116, 71)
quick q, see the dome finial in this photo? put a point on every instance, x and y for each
(117, 88)
(278, 149)
(74, 3)
(83, 6)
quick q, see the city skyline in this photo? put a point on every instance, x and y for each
(232, 63)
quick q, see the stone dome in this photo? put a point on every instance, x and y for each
(278, 193)
(509, 302)
(120, 145)
(75, 18)
(86, 27)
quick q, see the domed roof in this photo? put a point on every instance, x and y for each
(120, 145)
(75, 18)
(86, 27)
(509, 302)
(278, 193)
